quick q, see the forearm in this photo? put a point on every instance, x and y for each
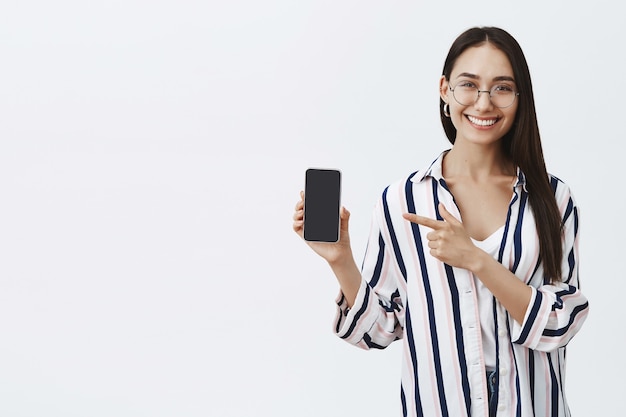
(508, 289)
(348, 276)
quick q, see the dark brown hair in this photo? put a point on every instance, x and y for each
(521, 143)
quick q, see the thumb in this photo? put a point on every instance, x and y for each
(447, 216)
(344, 214)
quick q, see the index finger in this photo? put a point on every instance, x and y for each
(424, 221)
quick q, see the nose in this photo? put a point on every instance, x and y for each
(483, 102)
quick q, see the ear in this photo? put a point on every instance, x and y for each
(444, 89)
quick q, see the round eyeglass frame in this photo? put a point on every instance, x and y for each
(478, 96)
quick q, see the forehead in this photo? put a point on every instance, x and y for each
(485, 61)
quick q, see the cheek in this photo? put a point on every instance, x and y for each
(457, 119)
(456, 114)
(511, 117)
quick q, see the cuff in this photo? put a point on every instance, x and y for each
(352, 323)
(529, 333)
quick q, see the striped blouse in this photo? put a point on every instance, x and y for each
(432, 307)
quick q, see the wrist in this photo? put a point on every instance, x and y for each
(479, 260)
(342, 262)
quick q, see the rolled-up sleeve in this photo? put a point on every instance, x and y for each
(557, 311)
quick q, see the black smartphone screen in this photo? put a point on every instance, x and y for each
(322, 195)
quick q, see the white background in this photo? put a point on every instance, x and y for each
(151, 153)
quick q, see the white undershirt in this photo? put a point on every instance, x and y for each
(491, 245)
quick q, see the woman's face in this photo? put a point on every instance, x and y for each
(478, 120)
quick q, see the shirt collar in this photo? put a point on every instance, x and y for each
(521, 180)
(435, 170)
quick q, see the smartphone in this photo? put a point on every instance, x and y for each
(322, 202)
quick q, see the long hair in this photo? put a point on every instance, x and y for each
(521, 143)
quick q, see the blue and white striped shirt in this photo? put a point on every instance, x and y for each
(408, 294)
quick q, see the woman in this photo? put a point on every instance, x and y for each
(473, 261)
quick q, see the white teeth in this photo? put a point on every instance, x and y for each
(481, 122)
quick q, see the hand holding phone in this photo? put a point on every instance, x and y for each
(322, 204)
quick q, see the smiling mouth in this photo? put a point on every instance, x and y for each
(482, 122)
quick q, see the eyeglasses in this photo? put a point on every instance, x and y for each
(467, 93)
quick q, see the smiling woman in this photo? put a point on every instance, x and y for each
(455, 265)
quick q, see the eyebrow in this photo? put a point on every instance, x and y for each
(476, 77)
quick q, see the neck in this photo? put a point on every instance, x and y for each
(476, 161)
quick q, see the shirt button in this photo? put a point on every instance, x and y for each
(502, 333)
(501, 407)
(503, 371)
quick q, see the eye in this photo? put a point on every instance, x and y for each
(502, 88)
(466, 85)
